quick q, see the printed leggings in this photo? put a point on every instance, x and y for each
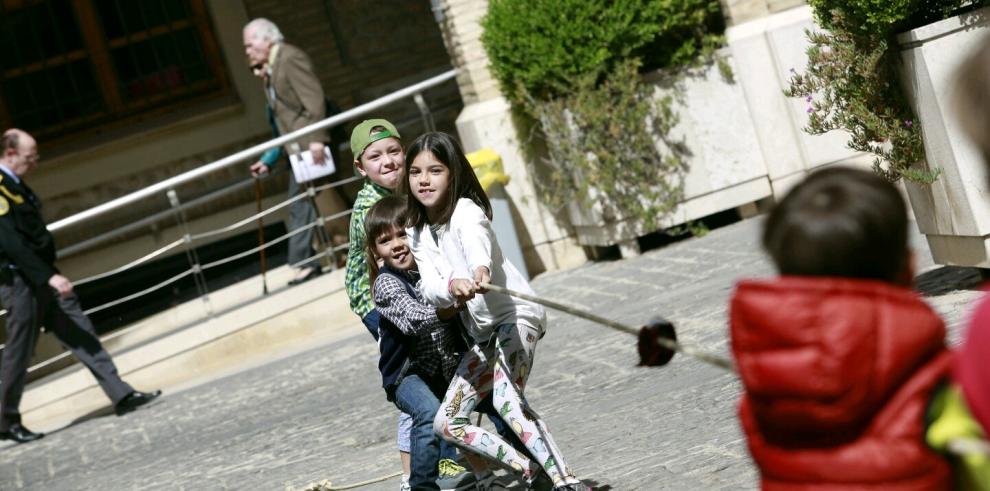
(502, 365)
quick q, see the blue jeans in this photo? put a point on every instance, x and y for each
(370, 321)
(421, 399)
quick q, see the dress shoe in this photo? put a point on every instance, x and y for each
(20, 434)
(310, 274)
(134, 400)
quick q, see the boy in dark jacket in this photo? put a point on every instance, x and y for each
(838, 357)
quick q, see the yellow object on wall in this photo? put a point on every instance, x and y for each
(487, 166)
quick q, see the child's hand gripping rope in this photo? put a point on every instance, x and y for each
(657, 340)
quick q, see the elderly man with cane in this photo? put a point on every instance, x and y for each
(295, 99)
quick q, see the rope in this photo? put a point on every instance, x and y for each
(711, 359)
(276, 207)
(326, 485)
(131, 264)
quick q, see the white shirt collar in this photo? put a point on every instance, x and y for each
(10, 173)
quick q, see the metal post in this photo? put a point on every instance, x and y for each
(321, 231)
(261, 236)
(424, 112)
(198, 277)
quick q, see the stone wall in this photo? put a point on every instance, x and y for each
(738, 11)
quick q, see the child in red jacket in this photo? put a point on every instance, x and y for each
(838, 357)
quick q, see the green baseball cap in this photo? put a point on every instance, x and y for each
(362, 136)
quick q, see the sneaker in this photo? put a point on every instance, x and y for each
(580, 486)
(491, 482)
(454, 477)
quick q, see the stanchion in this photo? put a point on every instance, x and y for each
(197, 269)
(261, 235)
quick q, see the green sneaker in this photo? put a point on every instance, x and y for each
(454, 477)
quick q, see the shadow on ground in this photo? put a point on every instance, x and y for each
(948, 279)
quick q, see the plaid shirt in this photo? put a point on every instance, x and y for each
(356, 279)
(436, 351)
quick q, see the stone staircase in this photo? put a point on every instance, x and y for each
(185, 346)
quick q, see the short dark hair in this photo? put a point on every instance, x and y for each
(11, 139)
(840, 222)
(463, 182)
(387, 214)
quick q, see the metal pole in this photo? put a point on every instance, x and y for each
(198, 277)
(247, 153)
(424, 112)
(321, 230)
(261, 235)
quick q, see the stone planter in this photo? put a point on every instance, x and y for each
(725, 166)
(954, 212)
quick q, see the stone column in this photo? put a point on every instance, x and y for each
(486, 121)
(739, 11)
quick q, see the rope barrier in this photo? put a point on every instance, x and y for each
(670, 344)
(140, 293)
(252, 218)
(279, 239)
(130, 265)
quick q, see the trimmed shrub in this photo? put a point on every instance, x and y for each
(540, 46)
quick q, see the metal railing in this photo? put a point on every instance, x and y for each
(189, 240)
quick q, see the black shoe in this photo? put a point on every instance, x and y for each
(20, 434)
(134, 400)
(312, 273)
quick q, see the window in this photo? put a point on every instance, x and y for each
(70, 65)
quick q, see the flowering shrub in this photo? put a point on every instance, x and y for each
(851, 82)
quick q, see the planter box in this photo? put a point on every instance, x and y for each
(725, 166)
(954, 212)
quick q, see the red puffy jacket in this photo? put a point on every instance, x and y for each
(837, 375)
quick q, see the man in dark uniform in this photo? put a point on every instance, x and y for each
(35, 294)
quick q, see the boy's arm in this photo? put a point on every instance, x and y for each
(395, 303)
(356, 277)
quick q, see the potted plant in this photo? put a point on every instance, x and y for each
(601, 83)
(881, 71)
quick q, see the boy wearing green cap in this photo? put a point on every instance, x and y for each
(379, 157)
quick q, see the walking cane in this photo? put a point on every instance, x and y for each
(261, 234)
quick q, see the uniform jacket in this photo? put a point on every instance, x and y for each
(295, 95)
(25, 241)
(838, 374)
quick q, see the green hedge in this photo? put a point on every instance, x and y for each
(538, 47)
(881, 18)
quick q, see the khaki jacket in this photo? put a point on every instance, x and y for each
(295, 95)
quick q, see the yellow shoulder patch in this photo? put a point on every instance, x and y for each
(17, 199)
(4, 206)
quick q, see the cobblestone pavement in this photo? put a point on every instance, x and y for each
(320, 414)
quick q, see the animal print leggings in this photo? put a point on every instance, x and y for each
(503, 365)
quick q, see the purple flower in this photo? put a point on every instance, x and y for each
(908, 123)
(808, 99)
(810, 110)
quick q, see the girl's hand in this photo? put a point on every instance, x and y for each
(482, 275)
(462, 290)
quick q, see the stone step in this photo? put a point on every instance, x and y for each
(184, 346)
